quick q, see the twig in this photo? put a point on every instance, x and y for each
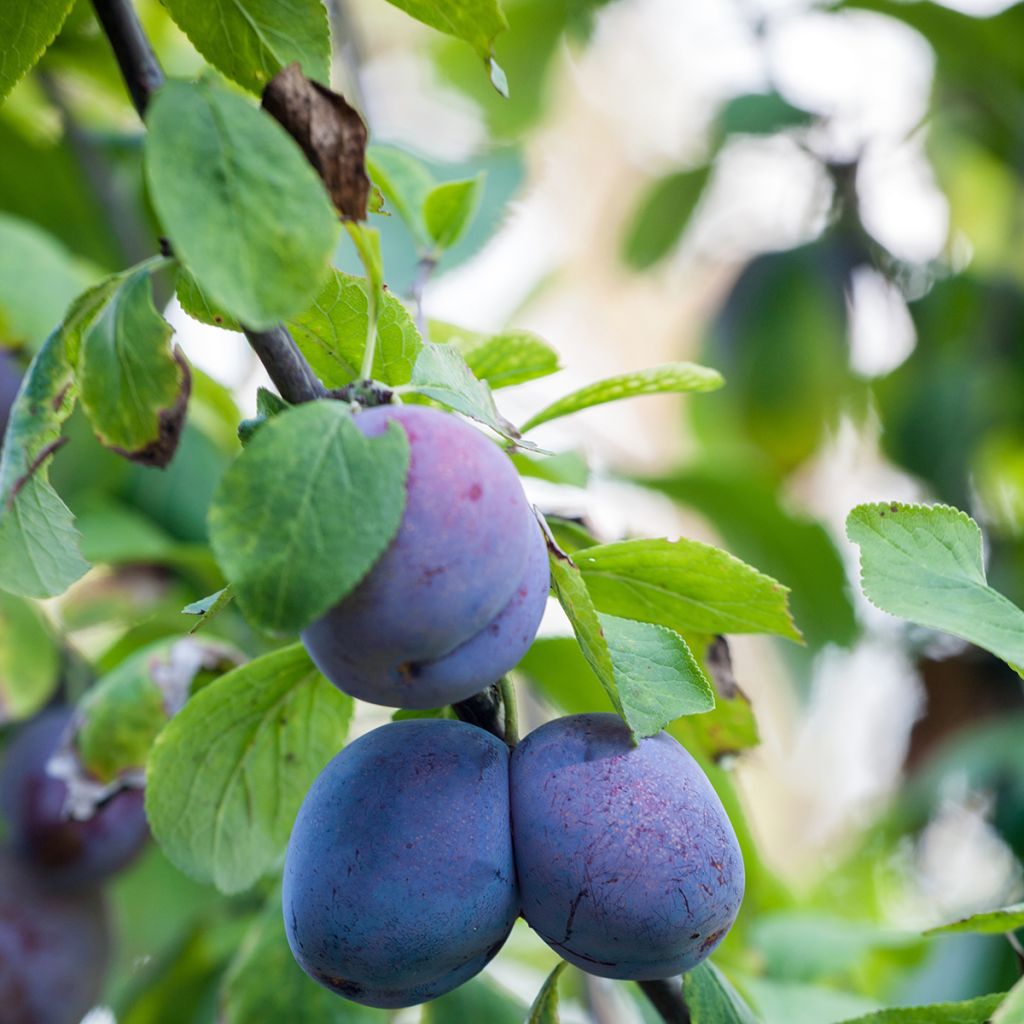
(424, 270)
(667, 998)
(276, 349)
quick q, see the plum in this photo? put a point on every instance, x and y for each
(65, 852)
(399, 883)
(54, 949)
(10, 381)
(627, 863)
(445, 610)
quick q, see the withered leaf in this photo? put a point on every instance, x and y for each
(330, 132)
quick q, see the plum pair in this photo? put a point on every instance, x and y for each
(422, 841)
(455, 600)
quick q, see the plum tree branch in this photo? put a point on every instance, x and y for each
(141, 71)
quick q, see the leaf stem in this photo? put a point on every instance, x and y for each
(142, 74)
(511, 708)
(424, 270)
(666, 997)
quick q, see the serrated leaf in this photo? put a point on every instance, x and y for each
(545, 1007)
(265, 983)
(712, 1000)
(251, 40)
(209, 607)
(121, 715)
(685, 585)
(647, 671)
(26, 29)
(503, 359)
(243, 208)
(332, 334)
(449, 207)
(661, 216)
(475, 21)
(197, 303)
(38, 279)
(441, 373)
(924, 563)
(29, 659)
(405, 183)
(227, 775)
(304, 512)
(989, 922)
(39, 545)
(669, 377)
(131, 386)
(970, 1011)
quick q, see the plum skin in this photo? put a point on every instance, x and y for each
(443, 612)
(54, 949)
(628, 865)
(399, 882)
(65, 853)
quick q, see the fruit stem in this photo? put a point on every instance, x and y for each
(511, 708)
(666, 997)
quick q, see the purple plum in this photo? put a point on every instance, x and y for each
(54, 949)
(454, 601)
(64, 852)
(399, 883)
(627, 863)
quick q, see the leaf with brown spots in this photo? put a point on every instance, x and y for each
(330, 132)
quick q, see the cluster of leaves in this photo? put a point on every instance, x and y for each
(254, 230)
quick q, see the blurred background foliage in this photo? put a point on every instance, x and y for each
(823, 201)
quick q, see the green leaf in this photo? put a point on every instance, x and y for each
(441, 373)
(545, 1006)
(197, 303)
(503, 359)
(122, 714)
(227, 775)
(661, 217)
(245, 211)
(209, 607)
(332, 334)
(29, 659)
(924, 563)
(647, 671)
(745, 507)
(670, 377)
(129, 381)
(479, 999)
(304, 512)
(265, 983)
(761, 114)
(794, 1002)
(448, 209)
(712, 1000)
(38, 280)
(568, 468)
(475, 21)
(1011, 1009)
(251, 40)
(657, 677)
(39, 545)
(971, 1011)
(27, 27)
(405, 182)
(685, 585)
(989, 922)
